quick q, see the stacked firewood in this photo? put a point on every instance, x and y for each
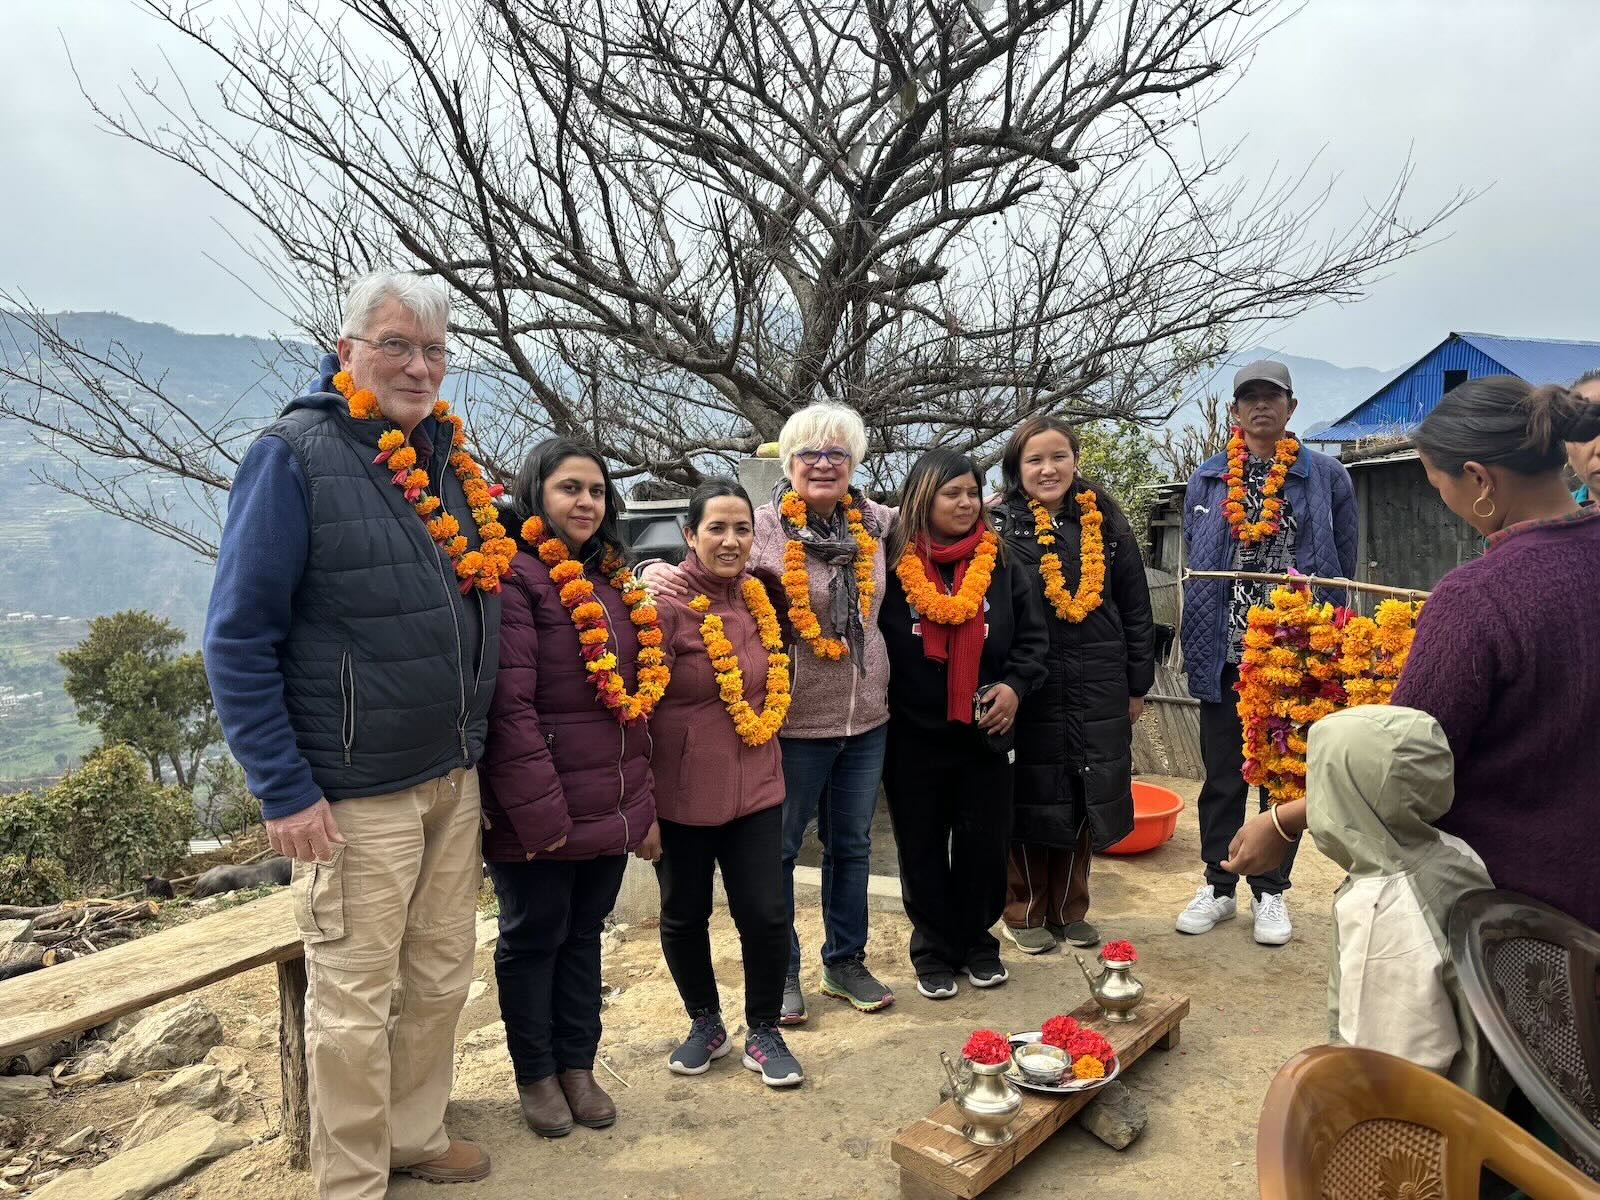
(41, 937)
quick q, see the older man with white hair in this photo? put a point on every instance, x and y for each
(351, 645)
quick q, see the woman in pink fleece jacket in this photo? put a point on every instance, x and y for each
(833, 744)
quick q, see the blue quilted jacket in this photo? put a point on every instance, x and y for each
(1324, 505)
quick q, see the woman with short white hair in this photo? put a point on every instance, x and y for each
(826, 542)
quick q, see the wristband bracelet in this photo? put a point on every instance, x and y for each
(1278, 825)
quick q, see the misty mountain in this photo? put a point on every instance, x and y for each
(1325, 391)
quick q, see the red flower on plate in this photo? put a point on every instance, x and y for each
(1057, 1030)
(1119, 952)
(1087, 1041)
(987, 1048)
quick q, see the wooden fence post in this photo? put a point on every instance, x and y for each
(295, 1116)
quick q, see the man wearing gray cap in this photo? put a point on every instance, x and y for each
(1265, 505)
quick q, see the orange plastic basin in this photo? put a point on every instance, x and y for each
(1155, 819)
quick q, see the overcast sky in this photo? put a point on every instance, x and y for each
(1479, 93)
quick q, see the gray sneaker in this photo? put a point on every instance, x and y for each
(766, 1051)
(1079, 933)
(794, 1003)
(850, 980)
(707, 1040)
(1031, 941)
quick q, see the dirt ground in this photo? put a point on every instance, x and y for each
(723, 1135)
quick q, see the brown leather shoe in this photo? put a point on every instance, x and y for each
(544, 1107)
(590, 1104)
(464, 1162)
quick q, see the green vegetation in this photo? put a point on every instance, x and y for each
(102, 826)
(40, 737)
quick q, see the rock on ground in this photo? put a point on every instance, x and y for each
(136, 1174)
(174, 1037)
(20, 1093)
(201, 1089)
(15, 931)
(1116, 1116)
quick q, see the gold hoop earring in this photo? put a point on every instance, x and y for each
(1482, 516)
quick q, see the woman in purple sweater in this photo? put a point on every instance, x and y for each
(566, 782)
(719, 785)
(1507, 655)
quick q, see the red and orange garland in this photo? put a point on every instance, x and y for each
(482, 568)
(753, 728)
(1091, 559)
(1304, 661)
(941, 607)
(1246, 531)
(594, 630)
(797, 579)
(1089, 1052)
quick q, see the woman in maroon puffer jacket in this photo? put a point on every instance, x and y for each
(720, 791)
(567, 790)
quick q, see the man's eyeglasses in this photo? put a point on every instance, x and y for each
(398, 350)
(834, 457)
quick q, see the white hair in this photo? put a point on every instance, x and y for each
(819, 426)
(424, 296)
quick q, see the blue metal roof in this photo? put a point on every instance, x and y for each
(1400, 405)
(1538, 360)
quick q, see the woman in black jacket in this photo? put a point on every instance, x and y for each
(964, 627)
(1074, 765)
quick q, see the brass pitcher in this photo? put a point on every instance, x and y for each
(988, 1101)
(1116, 991)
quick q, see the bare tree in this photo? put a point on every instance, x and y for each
(667, 226)
(1205, 434)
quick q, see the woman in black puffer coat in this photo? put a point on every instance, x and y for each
(1074, 755)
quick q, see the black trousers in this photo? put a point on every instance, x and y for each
(950, 805)
(547, 964)
(1225, 795)
(750, 853)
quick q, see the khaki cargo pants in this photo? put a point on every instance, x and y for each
(388, 927)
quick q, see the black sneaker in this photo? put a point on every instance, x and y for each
(794, 1003)
(850, 980)
(707, 1040)
(766, 1051)
(987, 972)
(937, 985)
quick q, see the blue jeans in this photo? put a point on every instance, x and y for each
(836, 781)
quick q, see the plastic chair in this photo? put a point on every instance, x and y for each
(1530, 974)
(1347, 1124)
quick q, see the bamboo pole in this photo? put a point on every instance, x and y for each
(1354, 585)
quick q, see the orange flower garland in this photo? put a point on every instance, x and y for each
(1091, 560)
(1303, 661)
(594, 630)
(755, 729)
(482, 568)
(1246, 531)
(797, 578)
(941, 607)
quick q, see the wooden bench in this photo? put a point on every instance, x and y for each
(937, 1163)
(77, 996)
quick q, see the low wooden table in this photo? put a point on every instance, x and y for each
(937, 1163)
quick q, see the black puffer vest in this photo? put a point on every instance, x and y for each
(388, 670)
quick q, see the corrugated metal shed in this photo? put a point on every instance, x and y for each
(1399, 406)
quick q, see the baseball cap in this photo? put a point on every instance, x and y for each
(1263, 370)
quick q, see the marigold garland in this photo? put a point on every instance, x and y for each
(753, 728)
(594, 629)
(1303, 661)
(482, 568)
(1244, 530)
(987, 1048)
(1091, 559)
(942, 607)
(797, 577)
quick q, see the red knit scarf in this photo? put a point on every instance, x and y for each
(959, 647)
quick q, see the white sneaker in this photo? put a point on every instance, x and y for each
(1205, 910)
(1272, 920)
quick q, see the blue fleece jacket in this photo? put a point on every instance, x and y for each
(265, 545)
